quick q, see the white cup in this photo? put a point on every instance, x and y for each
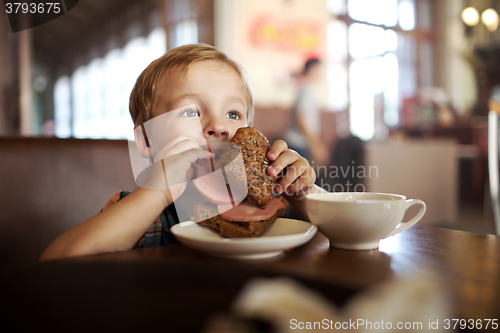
(358, 221)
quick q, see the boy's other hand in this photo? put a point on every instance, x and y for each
(173, 165)
(299, 177)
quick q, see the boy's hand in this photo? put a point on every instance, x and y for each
(299, 177)
(173, 166)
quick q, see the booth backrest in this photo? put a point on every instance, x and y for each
(49, 185)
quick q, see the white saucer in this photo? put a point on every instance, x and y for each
(282, 234)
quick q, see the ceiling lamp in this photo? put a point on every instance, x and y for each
(490, 19)
(470, 16)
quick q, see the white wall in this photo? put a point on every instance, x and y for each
(425, 170)
(268, 69)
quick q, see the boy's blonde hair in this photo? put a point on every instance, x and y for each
(143, 96)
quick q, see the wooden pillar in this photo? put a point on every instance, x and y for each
(4, 73)
(205, 14)
(27, 126)
(166, 10)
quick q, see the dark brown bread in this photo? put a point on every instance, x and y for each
(254, 147)
(240, 229)
(227, 228)
(203, 211)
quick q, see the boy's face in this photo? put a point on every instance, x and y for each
(218, 95)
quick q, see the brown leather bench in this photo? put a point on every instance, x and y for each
(49, 185)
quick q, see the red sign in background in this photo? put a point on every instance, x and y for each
(302, 35)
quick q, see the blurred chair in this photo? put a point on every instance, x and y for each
(493, 149)
(418, 169)
(348, 156)
(49, 185)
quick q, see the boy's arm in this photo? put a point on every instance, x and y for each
(120, 226)
(116, 228)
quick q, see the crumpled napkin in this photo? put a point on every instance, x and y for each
(410, 304)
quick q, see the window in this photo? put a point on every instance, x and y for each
(186, 32)
(62, 105)
(93, 103)
(378, 47)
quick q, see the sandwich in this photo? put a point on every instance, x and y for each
(256, 211)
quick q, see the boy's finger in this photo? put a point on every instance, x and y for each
(292, 175)
(185, 145)
(295, 186)
(179, 147)
(177, 139)
(276, 149)
(182, 162)
(286, 158)
(304, 181)
(193, 155)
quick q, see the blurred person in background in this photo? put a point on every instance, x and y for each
(303, 134)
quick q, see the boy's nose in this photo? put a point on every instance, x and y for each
(216, 129)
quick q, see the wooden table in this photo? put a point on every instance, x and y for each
(171, 280)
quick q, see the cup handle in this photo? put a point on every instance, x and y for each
(414, 220)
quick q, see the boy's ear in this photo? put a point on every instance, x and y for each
(140, 142)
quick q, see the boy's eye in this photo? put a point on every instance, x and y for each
(191, 113)
(233, 115)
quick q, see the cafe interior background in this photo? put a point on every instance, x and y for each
(404, 88)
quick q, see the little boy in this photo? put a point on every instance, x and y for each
(217, 87)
